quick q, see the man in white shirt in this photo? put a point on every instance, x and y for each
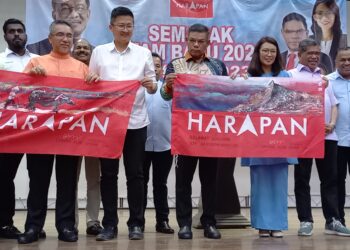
(14, 58)
(124, 60)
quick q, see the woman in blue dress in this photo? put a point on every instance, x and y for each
(269, 176)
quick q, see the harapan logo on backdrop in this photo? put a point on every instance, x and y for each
(191, 8)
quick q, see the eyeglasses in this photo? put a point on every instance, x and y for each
(61, 35)
(320, 14)
(120, 26)
(66, 10)
(296, 32)
(267, 51)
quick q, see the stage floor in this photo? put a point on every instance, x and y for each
(233, 239)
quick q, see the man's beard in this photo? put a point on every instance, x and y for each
(19, 45)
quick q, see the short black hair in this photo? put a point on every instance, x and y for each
(294, 17)
(12, 21)
(154, 54)
(121, 11)
(197, 27)
(57, 22)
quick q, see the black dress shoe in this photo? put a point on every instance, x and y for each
(135, 233)
(28, 236)
(68, 235)
(185, 233)
(94, 229)
(107, 233)
(211, 232)
(9, 232)
(42, 234)
(163, 227)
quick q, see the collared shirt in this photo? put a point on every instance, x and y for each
(134, 63)
(58, 65)
(341, 88)
(186, 65)
(11, 61)
(159, 113)
(304, 72)
(189, 66)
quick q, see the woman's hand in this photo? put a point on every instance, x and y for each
(234, 75)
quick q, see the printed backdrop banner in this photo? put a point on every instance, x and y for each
(46, 115)
(215, 116)
(160, 25)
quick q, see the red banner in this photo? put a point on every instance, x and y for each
(216, 116)
(58, 115)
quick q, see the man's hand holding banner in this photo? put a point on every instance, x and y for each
(57, 115)
(215, 116)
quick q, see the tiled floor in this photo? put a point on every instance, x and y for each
(231, 238)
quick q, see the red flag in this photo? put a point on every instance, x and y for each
(58, 115)
(215, 116)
